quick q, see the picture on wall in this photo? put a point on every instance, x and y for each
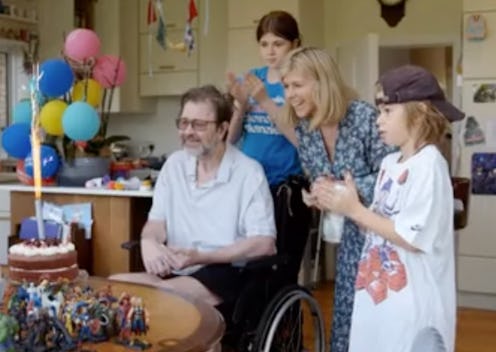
(484, 173)
(473, 133)
(485, 93)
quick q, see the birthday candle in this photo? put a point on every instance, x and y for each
(35, 150)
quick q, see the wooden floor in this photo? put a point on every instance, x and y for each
(476, 329)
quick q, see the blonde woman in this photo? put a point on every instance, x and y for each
(335, 133)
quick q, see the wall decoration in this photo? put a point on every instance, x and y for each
(392, 11)
(475, 28)
(473, 132)
(484, 173)
(485, 93)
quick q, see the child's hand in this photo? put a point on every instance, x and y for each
(236, 89)
(255, 88)
(337, 196)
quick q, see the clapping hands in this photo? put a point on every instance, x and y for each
(329, 194)
(251, 85)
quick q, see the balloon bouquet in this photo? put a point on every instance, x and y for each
(70, 90)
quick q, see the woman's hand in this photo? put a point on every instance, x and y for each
(337, 196)
(308, 198)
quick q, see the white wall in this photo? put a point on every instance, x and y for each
(344, 19)
(347, 19)
(158, 128)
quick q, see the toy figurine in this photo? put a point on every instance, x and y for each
(122, 313)
(138, 318)
(8, 330)
(62, 317)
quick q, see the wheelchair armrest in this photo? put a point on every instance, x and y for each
(130, 244)
(265, 262)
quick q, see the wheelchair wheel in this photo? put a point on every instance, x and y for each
(280, 328)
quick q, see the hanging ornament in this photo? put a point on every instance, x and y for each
(189, 39)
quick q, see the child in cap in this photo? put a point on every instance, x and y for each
(405, 287)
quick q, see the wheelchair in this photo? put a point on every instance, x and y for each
(269, 313)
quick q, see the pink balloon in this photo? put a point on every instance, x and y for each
(109, 71)
(82, 44)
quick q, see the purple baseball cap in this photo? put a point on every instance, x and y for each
(413, 83)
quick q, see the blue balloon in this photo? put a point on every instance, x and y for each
(22, 112)
(16, 140)
(50, 162)
(56, 77)
(80, 121)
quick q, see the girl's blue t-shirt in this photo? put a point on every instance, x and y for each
(263, 142)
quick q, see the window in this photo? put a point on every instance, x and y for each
(13, 79)
(4, 90)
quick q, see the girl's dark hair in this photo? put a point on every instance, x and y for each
(280, 23)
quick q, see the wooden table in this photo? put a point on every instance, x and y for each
(177, 324)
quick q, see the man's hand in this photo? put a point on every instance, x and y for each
(185, 257)
(157, 258)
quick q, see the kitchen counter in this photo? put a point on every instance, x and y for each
(18, 187)
(118, 217)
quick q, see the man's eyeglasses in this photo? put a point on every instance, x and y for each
(196, 125)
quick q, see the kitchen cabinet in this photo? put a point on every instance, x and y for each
(247, 13)
(166, 72)
(17, 28)
(170, 72)
(243, 18)
(118, 217)
(175, 12)
(4, 225)
(116, 23)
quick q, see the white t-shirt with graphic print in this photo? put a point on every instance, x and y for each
(398, 292)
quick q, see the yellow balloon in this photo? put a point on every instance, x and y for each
(92, 95)
(51, 117)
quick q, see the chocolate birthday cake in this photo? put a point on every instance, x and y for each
(36, 260)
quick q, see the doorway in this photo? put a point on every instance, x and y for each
(436, 58)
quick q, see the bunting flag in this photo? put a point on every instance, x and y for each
(189, 38)
(161, 32)
(192, 11)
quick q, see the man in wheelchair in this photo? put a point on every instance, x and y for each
(211, 207)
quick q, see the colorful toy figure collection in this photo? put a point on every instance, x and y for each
(62, 317)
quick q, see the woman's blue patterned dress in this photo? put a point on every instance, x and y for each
(360, 150)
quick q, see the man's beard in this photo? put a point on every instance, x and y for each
(196, 152)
